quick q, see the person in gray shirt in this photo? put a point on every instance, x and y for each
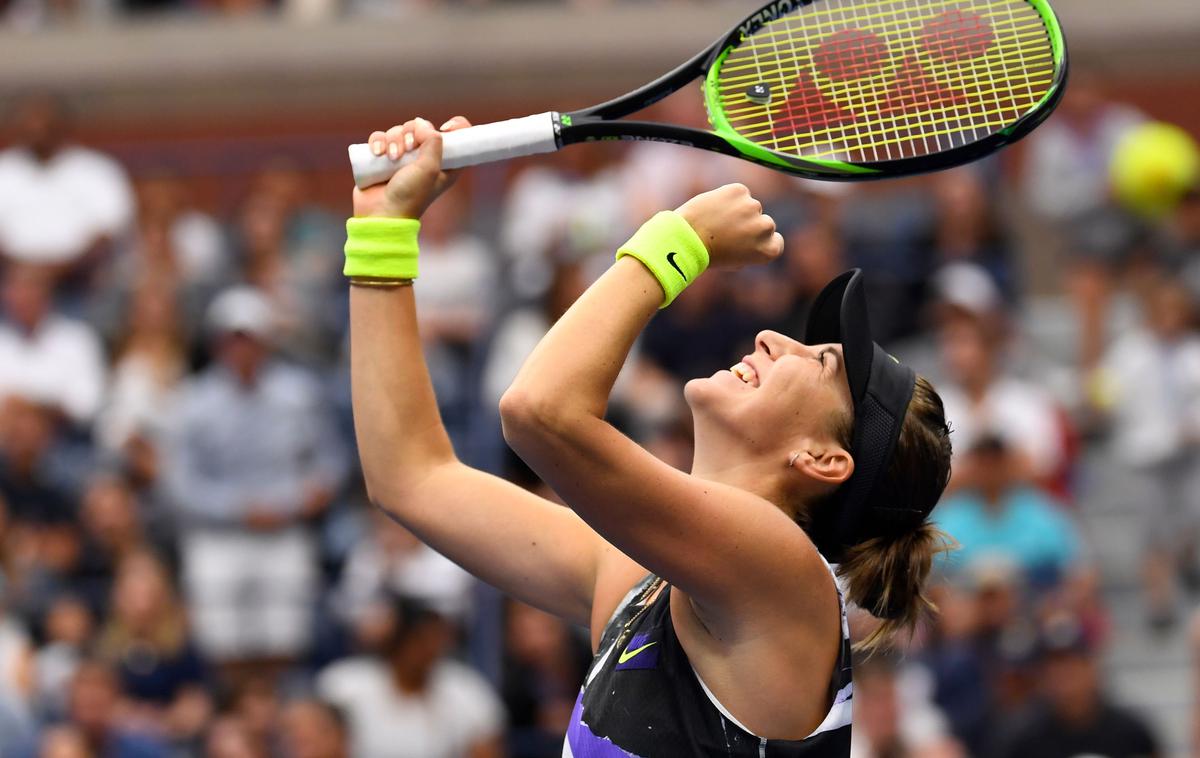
(253, 456)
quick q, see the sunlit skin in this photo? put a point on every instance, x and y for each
(784, 398)
(766, 637)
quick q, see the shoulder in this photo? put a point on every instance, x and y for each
(15, 161)
(73, 331)
(351, 679)
(471, 696)
(461, 677)
(94, 164)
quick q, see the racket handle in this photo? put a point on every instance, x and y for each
(465, 147)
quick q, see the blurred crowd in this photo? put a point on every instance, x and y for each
(188, 565)
(32, 15)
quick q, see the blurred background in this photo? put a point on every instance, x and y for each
(188, 565)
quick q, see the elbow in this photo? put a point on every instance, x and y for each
(525, 420)
(517, 416)
(400, 497)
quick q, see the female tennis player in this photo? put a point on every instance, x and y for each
(718, 626)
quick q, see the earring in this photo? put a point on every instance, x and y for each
(792, 461)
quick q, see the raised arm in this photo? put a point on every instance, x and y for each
(691, 530)
(530, 548)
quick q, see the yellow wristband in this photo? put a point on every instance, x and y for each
(669, 247)
(381, 248)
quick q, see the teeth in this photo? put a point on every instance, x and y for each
(744, 372)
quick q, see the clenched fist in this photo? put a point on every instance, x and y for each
(411, 190)
(733, 227)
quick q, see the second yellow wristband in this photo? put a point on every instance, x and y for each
(670, 249)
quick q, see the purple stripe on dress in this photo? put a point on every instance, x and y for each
(585, 744)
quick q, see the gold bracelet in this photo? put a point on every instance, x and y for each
(359, 281)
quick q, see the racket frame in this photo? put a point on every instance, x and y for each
(601, 122)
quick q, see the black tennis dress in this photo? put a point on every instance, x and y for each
(644, 700)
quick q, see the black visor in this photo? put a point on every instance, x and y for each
(881, 388)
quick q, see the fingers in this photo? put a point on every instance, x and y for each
(409, 136)
(401, 139)
(378, 142)
(775, 247)
(430, 157)
(772, 240)
(458, 122)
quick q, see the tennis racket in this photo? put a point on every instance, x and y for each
(825, 89)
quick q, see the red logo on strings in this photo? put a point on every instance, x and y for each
(853, 54)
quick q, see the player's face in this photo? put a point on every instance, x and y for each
(783, 390)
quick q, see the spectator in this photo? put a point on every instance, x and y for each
(17, 671)
(254, 459)
(886, 227)
(68, 630)
(64, 742)
(696, 336)
(999, 516)
(45, 357)
(519, 332)
(94, 709)
(177, 243)
(1065, 172)
(967, 230)
(314, 729)
(1074, 716)
(981, 397)
(389, 561)
(37, 481)
(1150, 388)
(544, 664)
(150, 363)
(416, 703)
(60, 204)
(815, 255)
(230, 737)
(34, 477)
(256, 707)
(112, 530)
(1185, 240)
(456, 303)
(147, 641)
(893, 715)
(283, 243)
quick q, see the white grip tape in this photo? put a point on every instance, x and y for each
(465, 147)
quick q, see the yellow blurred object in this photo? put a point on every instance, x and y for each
(1153, 166)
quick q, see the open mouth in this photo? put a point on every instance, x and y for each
(746, 373)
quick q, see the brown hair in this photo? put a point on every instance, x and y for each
(885, 576)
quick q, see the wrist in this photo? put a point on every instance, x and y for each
(381, 249)
(671, 250)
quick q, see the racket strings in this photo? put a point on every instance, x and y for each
(868, 81)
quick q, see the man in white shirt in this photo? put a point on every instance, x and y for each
(59, 203)
(416, 702)
(47, 358)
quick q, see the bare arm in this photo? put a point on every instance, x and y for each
(687, 529)
(529, 547)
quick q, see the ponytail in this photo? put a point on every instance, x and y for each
(886, 577)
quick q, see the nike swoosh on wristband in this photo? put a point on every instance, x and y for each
(674, 265)
(630, 654)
